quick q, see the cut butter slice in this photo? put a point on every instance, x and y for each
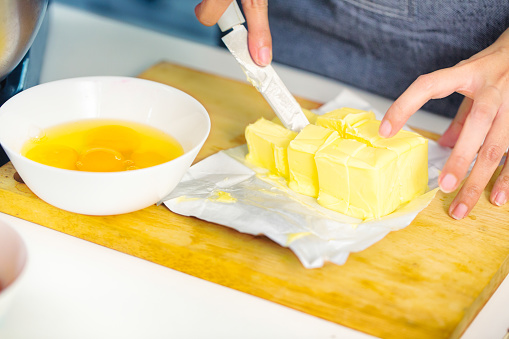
(301, 152)
(267, 144)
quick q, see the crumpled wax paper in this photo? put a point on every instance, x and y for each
(227, 190)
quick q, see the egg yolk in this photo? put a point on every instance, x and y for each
(120, 138)
(54, 155)
(100, 159)
(148, 159)
(102, 145)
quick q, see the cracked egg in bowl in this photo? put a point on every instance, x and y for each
(102, 145)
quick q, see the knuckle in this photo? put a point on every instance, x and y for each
(482, 111)
(504, 79)
(425, 81)
(397, 108)
(502, 52)
(503, 181)
(461, 63)
(472, 191)
(255, 4)
(491, 153)
(495, 91)
(460, 161)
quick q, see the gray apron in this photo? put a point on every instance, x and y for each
(383, 45)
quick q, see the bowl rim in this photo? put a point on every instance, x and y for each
(198, 146)
(4, 290)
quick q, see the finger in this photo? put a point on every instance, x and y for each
(259, 38)
(500, 191)
(208, 12)
(433, 85)
(487, 162)
(450, 136)
(476, 127)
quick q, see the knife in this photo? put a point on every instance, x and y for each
(264, 79)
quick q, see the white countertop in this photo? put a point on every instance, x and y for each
(76, 289)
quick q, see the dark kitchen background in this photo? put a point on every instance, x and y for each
(175, 17)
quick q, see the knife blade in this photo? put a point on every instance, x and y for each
(264, 79)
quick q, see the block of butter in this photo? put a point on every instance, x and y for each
(343, 162)
(301, 153)
(344, 120)
(412, 150)
(356, 179)
(267, 144)
(380, 173)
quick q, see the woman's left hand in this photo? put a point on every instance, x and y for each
(481, 126)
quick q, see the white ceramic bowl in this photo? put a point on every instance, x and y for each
(13, 257)
(171, 110)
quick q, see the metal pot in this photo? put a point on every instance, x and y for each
(19, 22)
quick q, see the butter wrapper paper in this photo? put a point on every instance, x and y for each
(227, 190)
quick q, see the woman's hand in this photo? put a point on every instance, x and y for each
(208, 13)
(481, 126)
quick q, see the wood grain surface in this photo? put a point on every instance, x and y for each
(428, 280)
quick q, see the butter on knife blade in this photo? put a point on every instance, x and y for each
(264, 79)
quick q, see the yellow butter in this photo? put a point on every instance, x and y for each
(222, 196)
(366, 132)
(344, 120)
(301, 152)
(399, 180)
(356, 179)
(412, 150)
(310, 115)
(344, 162)
(267, 144)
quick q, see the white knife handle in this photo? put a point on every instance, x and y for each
(231, 17)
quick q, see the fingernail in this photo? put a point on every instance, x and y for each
(385, 129)
(500, 199)
(448, 183)
(460, 211)
(264, 56)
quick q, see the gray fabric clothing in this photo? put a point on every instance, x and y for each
(384, 45)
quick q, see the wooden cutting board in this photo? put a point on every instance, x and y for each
(428, 280)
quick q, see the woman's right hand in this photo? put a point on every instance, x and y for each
(208, 13)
